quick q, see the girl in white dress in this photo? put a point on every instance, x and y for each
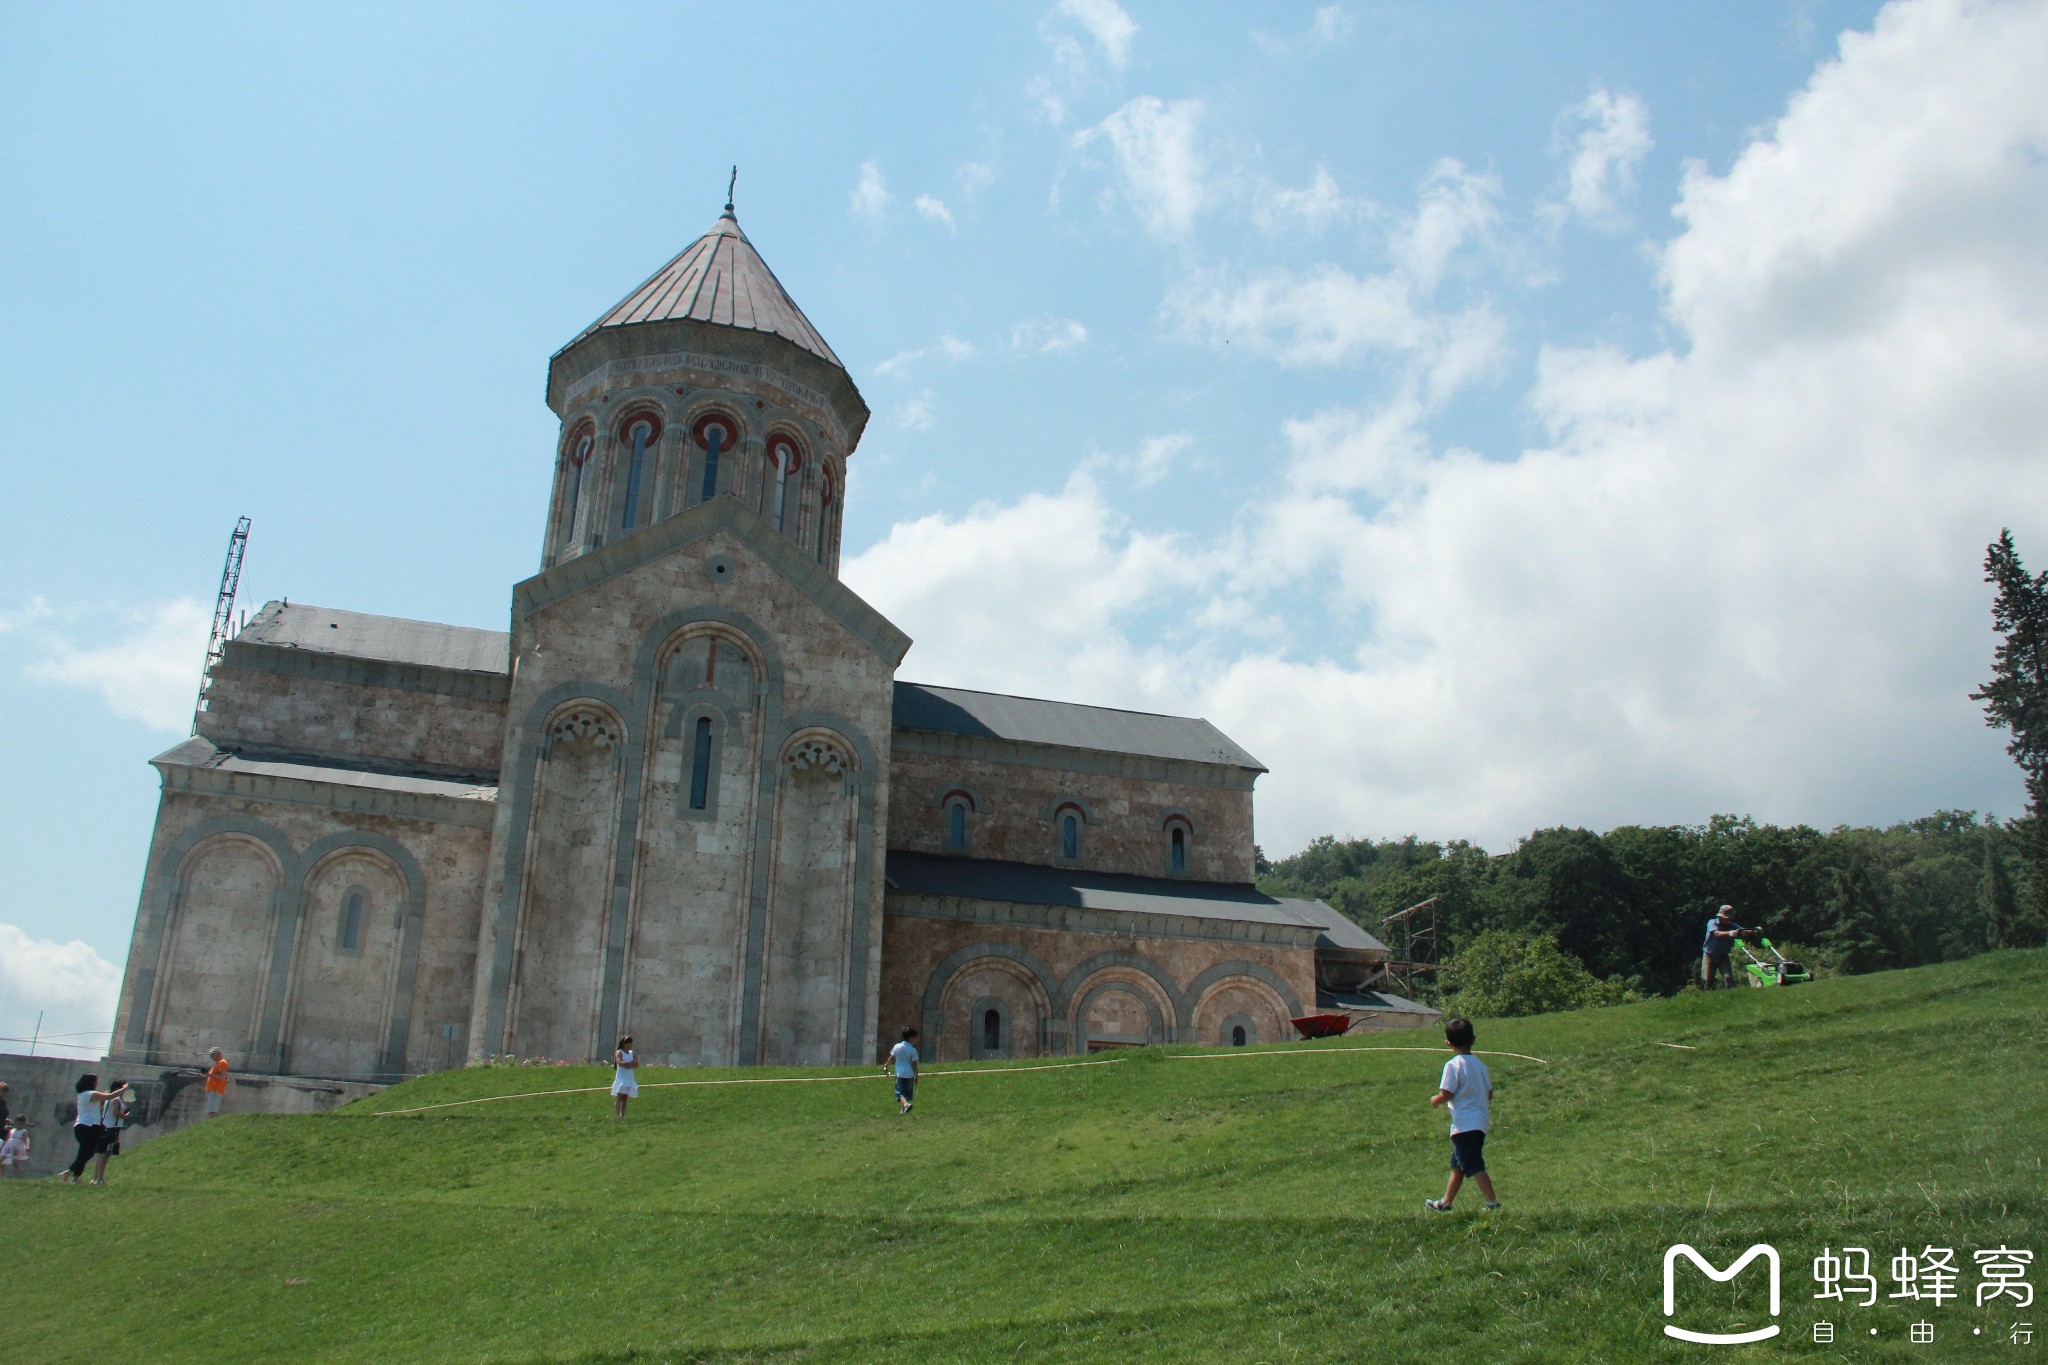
(624, 1086)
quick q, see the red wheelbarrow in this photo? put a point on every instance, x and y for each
(1323, 1025)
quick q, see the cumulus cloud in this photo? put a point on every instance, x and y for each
(69, 985)
(1105, 22)
(1605, 136)
(1160, 168)
(871, 195)
(147, 671)
(1740, 573)
(1330, 25)
(1314, 207)
(918, 413)
(1047, 336)
(947, 347)
(935, 210)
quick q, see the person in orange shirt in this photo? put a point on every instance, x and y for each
(216, 1082)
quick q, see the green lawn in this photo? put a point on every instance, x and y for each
(1161, 1208)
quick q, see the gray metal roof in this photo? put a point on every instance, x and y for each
(1068, 725)
(389, 639)
(718, 278)
(929, 874)
(1339, 930)
(201, 753)
(1377, 1001)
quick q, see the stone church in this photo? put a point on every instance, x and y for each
(687, 797)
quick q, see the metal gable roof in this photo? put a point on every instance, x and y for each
(719, 278)
(387, 639)
(1067, 725)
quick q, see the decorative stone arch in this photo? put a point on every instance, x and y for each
(566, 514)
(673, 630)
(1261, 982)
(631, 406)
(165, 903)
(1177, 822)
(1079, 987)
(516, 798)
(405, 869)
(1158, 1014)
(970, 803)
(1021, 965)
(1056, 814)
(734, 408)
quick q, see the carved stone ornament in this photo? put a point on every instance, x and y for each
(593, 728)
(818, 753)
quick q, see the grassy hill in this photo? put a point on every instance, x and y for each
(1177, 1204)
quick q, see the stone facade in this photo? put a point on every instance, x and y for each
(686, 797)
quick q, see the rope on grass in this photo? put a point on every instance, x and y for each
(1687, 1046)
(1325, 1051)
(742, 1080)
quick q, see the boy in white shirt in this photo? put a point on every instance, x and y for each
(1468, 1090)
(14, 1150)
(904, 1055)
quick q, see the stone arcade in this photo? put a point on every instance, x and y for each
(687, 796)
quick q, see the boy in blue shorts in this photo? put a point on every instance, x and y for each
(904, 1055)
(1468, 1090)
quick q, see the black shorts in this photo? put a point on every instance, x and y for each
(906, 1088)
(1467, 1152)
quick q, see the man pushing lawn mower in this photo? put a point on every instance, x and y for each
(1715, 954)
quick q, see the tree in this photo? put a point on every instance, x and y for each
(1500, 974)
(1857, 941)
(2016, 700)
(2006, 925)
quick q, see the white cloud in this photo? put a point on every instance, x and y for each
(918, 413)
(1047, 336)
(1606, 135)
(871, 195)
(70, 985)
(32, 612)
(1741, 574)
(1161, 170)
(1105, 22)
(948, 347)
(1326, 315)
(1315, 207)
(974, 177)
(1156, 456)
(150, 673)
(1331, 25)
(936, 210)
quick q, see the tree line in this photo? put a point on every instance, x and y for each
(1631, 905)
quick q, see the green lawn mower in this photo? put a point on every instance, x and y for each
(1783, 971)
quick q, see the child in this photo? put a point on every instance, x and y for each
(216, 1082)
(625, 1076)
(1468, 1089)
(904, 1054)
(14, 1151)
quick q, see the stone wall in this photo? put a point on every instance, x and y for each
(1056, 990)
(359, 711)
(243, 937)
(42, 1091)
(738, 931)
(1016, 793)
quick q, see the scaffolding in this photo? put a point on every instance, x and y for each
(1411, 935)
(223, 613)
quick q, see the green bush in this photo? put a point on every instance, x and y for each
(1499, 974)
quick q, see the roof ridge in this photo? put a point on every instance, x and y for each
(1054, 701)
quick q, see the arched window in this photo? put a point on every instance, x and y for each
(349, 937)
(572, 480)
(992, 1031)
(825, 518)
(700, 765)
(954, 808)
(783, 462)
(715, 434)
(1237, 1035)
(1178, 855)
(1177, 849)
(1067, 821)
(640, 432)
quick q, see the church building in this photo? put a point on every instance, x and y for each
(686, 796)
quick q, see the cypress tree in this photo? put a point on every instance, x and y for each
(1994, 894)
(2016, 700)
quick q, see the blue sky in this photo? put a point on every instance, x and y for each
(1494, 416)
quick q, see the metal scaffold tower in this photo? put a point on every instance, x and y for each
(1411, 933)
(223, 612)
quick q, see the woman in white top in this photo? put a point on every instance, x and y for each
(624, 1086)
(90, 1129)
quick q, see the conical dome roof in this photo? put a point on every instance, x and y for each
(721, 279)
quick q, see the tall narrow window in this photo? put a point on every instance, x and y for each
(351, 937)
(992, 1031)
(825, 520)
(700, 765)
(1070, 835)
(956, 824)
(1177, 850)
(715, 435)
(1237, 1035)
(783, 463)
(641, 434)
(572, 493)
